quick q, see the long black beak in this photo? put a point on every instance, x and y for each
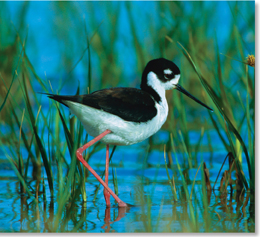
(181, 89)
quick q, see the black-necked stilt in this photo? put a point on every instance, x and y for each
(125, 116)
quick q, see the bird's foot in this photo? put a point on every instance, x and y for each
(122, 204)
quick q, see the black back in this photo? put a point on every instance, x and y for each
(130, 104)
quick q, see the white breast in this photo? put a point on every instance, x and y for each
(123, 132)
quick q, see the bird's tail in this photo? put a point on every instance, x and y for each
(58, 98)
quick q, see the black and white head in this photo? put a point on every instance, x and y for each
(160, 75)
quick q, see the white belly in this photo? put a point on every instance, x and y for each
(123, 132)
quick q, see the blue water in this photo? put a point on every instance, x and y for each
(136, 180)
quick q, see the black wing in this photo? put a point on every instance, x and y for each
(130, 104)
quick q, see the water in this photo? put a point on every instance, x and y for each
(143, 183)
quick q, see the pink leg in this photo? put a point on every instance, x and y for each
(106, 193)
(80, 158)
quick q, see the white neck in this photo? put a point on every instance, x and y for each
(157, 85)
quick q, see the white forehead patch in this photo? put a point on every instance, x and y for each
(167, 71)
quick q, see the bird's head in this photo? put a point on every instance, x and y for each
(160, 75)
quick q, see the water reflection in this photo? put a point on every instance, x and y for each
(227, 211)
(154, 209)
(121, 213)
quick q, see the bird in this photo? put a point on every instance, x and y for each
(123, 115)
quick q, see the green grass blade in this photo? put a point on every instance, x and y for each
(28, 159)
(137, 45)
(197, 147)
(24, 137)
(28, 61)
(248, 114)
(193, 184)
(87, 48)
(114, 175)
(5, 99)
(173, 189)
(241, 174)
(185, 149)
(220, 79)
(89, 60)
(220, 107)
(193, 219)
(218, 131)
(14, 76)
(21, 179)
(67, 134)
(38, 140)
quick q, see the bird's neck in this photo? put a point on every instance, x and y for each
(152, 85)
(156, 89)
(152, 92)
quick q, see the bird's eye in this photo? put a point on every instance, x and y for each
(168, 76)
